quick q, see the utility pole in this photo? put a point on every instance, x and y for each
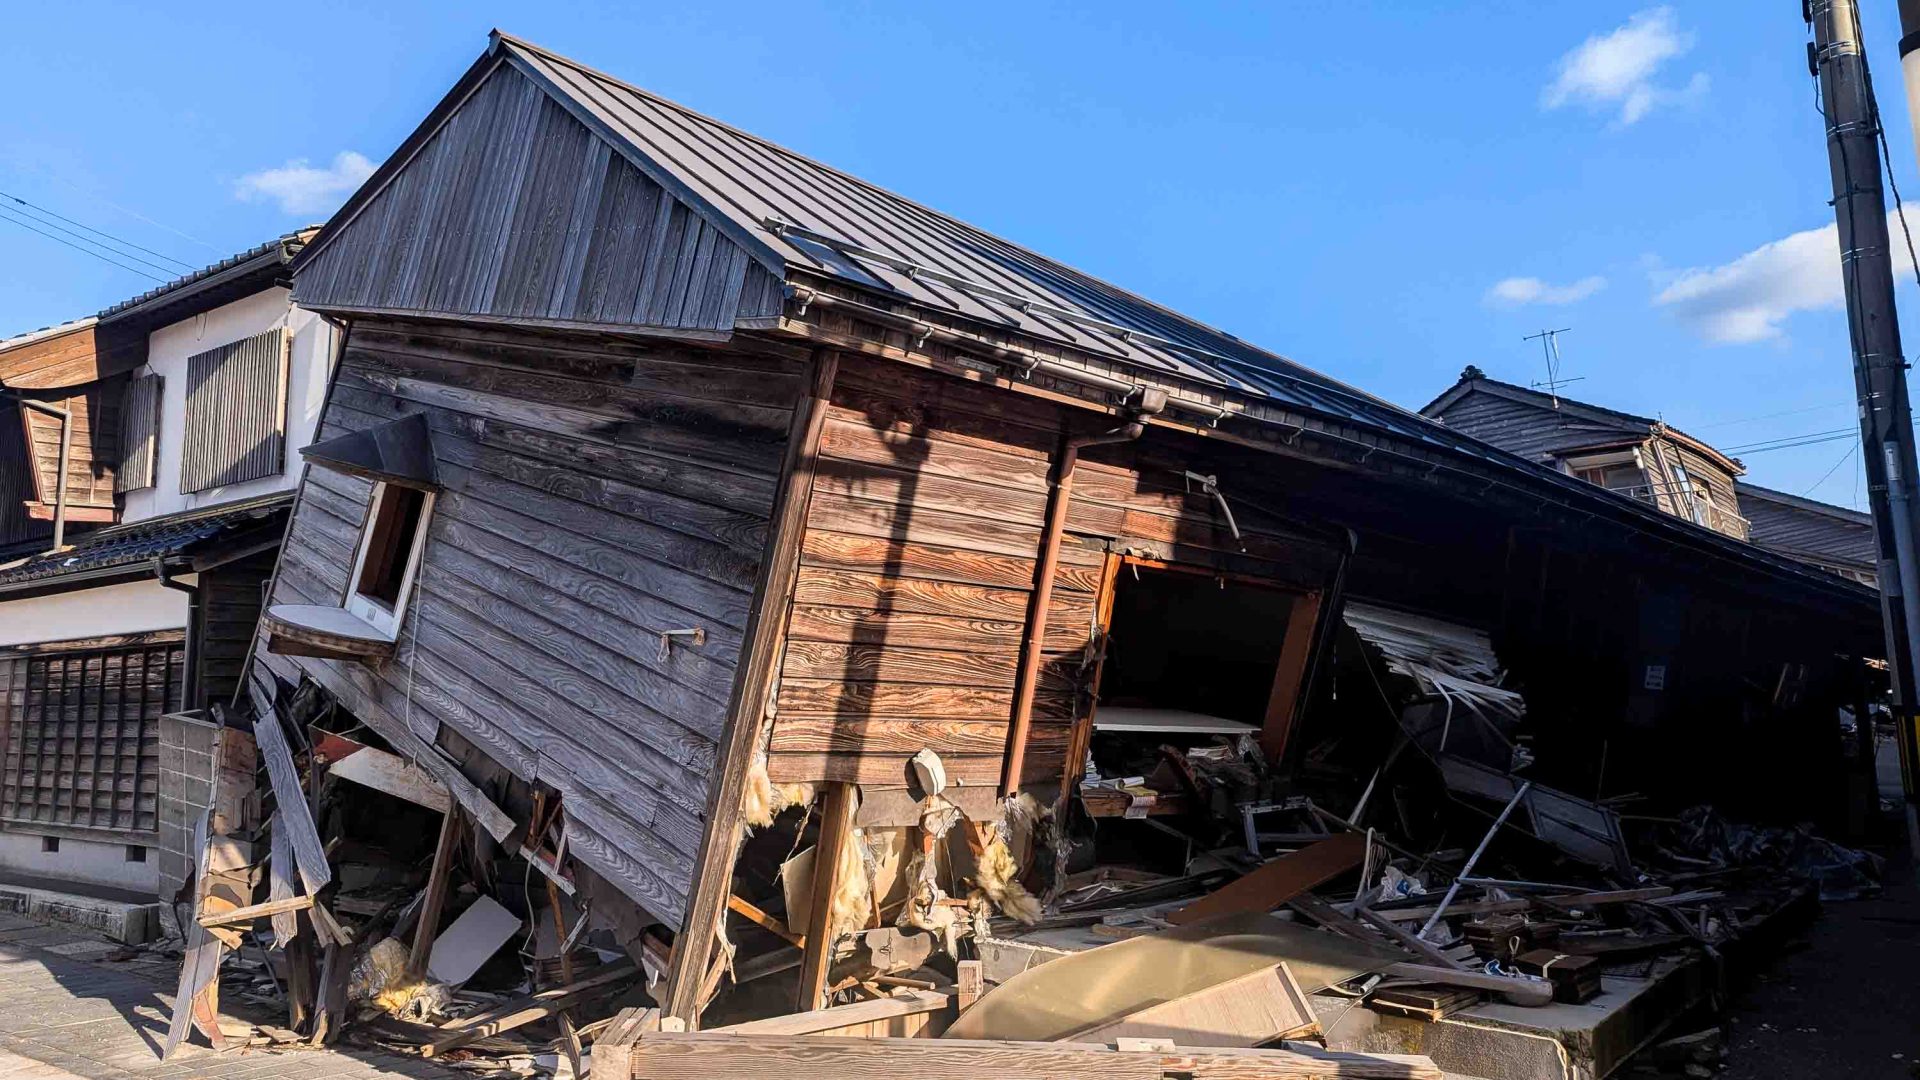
(1879, 367)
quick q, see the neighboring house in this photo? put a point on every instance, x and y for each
(1828, 536)
(1637, 456)
(184, 406)
(663, 463)
(1658, 464)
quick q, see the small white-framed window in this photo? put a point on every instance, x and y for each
(389, 555)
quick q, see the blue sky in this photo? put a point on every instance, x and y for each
(1386, 191)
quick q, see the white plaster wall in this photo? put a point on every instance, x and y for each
(83, 861)
(129, 608)
(169, 347)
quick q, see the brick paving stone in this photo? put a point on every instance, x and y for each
(64, 1017)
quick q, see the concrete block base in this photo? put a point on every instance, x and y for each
(123, 921)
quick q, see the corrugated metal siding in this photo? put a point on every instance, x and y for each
(1523, 429)
(139, 433)
(236, 413)
(515, 210)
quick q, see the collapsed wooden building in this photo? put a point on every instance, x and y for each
(696, 488)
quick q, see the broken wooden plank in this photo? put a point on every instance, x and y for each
(704, 1055)
(969, 983)
(819, 1021)
(201, 963)
(1273, 884)
(838, 804)
(393, 775)
(280, 871)
(1615, 896)
(1252, 1010)
(523, 1011)
(1419, 946)
(765, 921)
(310, 855)
(1474, 907)
(1519, 991)
(247, 914)
(428, 925)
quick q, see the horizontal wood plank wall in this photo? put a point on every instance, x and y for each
(515, 211)
(94, 456)
(915, 577)
(595, 493)
(17, 485)
(230, 598)
(919, 562)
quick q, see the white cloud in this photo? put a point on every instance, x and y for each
(1747, 299)
(300, 188)
(1515, 291)
(1617, 69)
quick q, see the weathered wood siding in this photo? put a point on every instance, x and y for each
(94, 455)
(17, 488)
(594, 494)
(918, 565)
(230, 599)
(1528, 430)
(1836, 538)
(514, 211)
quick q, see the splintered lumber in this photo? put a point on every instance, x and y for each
(1251, 1010)
(838, 805)
(1474, 907)
(280, 871)
(291, 799)
(256, 911)
(1417, 945)
(438, 878)
(523, 1011)
(394, 775)
(1519, 991)
(889, 1012)
(201, 964)
(765, 921)
(704, 1055)
(1278, 881)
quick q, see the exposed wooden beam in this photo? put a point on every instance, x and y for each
(838, 803)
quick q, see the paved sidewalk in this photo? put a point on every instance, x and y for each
(63, 1014)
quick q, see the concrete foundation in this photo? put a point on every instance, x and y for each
(127, 920)
(1509, 1042)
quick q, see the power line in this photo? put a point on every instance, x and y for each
(123, 243)
(1844, 458)
(169, 271)
(87, 251)
(110, 204)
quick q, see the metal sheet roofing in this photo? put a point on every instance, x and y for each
(144, 541)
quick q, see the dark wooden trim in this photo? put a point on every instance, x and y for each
(1289, 675)
(97, 644)
(713, 868)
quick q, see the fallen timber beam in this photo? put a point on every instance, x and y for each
(703, 1055)
(523, 1011)
(820, 1021)
(256, 911)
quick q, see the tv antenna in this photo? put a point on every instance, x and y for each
(1550, 348)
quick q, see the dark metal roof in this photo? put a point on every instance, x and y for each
(399, 452)
(145, 541)
(236, 269)
(1628, 422)
(799, 218)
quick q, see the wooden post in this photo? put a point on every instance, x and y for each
(766, 624)
(437, 880)
(836, 831)
(969, 982)
(1296, 651)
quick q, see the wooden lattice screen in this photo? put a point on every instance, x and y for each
(79, 732)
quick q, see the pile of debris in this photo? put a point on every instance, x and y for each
(391, 915)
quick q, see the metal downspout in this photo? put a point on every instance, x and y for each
(190, 660)
(1150, 403)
